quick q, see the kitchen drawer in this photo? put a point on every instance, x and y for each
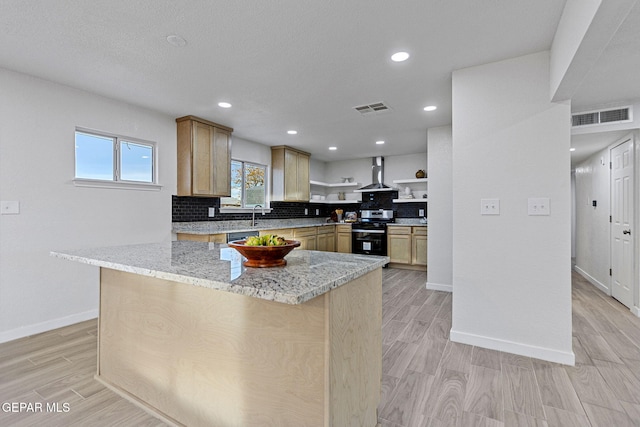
(286, 233)
(211, 238)
(398, 230)
(326, 229)
(343, 228)
(304, 231)
(419, 231)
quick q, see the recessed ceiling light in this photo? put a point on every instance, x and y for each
(379, 142)
(224, 105)
(399, 56)
(333, 148)
(292, 132)
(572, 149)
(430, 108)
(176, 40)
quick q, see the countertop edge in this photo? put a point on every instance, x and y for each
(287, 298)
(182, 229)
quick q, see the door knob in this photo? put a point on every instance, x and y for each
(626, 231)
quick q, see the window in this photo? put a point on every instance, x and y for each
(104, 157)
(247, 186)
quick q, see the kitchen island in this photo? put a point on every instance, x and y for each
(191, 334)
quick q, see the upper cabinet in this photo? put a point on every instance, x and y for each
(290, 174)
(204, 158)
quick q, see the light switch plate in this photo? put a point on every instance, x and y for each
(538, 206)
(9, 207)
(489, 206)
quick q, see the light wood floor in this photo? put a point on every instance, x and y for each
(431, 381)
(427, 379)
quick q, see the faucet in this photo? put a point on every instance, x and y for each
(253, 215)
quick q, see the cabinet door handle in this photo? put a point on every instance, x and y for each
(626, 231)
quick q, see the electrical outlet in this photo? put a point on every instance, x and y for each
(420, 212)
(538, 206)
(9, 207)
(317, 212)
(306, 211)
(212, 212)
(489, 206)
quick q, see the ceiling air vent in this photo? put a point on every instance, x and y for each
(601, 117)
(375, 108)
(585, 119)
(614, 115)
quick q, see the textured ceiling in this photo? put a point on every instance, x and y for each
(283, 64)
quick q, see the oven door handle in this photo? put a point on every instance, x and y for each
(359, 230)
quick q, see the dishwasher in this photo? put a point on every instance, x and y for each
(241, 235)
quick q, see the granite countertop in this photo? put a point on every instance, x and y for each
(217, 266)
(222, 227)
(413, 222)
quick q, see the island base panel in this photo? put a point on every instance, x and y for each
(207, 357)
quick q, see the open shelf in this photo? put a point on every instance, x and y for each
(410, 181)
(410, 200)
(334, 202)
(337, 184)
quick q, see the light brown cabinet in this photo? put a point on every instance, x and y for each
(343, 238)
(399, 244)
(407, 246)
(289, 174)
(419, 246)
(307, 236)
(204, 158)
(326, 238)
(211, 238)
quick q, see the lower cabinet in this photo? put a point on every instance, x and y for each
(399, 244)
(322, 238)
(419, 246)
(326, 238)
(307, 236)
(407, 246)
(343, 238)
(211, 238)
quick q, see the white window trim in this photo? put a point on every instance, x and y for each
(117, 183)
(267, 193)
(123, 185)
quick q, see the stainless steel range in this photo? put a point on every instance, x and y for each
(369, 234)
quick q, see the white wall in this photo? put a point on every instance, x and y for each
(592, 223)
(38, 292)
(440, 250)
(511, 272)
(574, 23)
(395, 167)
(317, 170)
(249, 151)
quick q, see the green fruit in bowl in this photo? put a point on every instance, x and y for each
(253, 241)
(266, 240)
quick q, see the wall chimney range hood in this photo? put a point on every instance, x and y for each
(377, 177)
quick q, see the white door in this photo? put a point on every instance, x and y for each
(621, 221)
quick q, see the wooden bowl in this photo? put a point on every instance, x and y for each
(264, 256)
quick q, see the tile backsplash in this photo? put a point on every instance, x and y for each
(188, 209)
